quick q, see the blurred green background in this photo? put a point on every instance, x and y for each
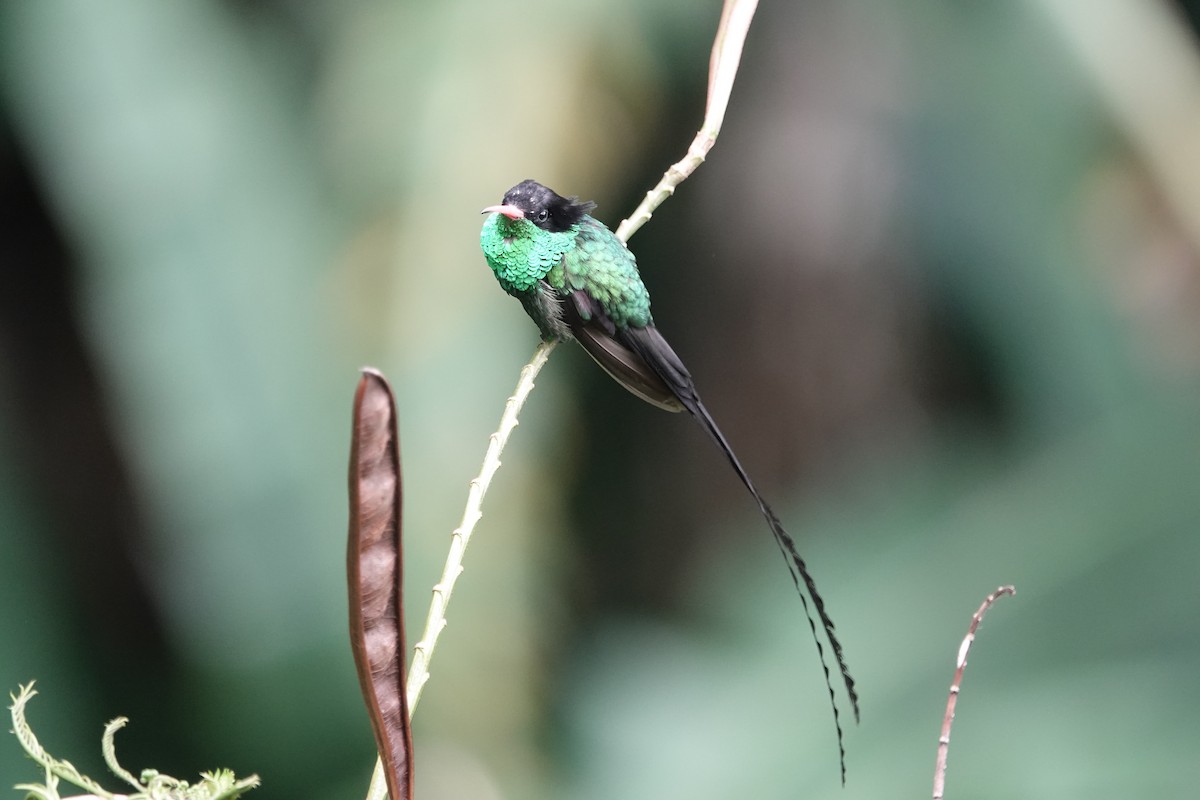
(939, 282)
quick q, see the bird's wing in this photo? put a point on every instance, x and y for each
(598, 335)
(652, 350)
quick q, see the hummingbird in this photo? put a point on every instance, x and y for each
(578, 281)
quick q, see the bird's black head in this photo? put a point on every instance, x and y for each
(543, 207)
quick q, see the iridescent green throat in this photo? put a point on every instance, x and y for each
(520, 253)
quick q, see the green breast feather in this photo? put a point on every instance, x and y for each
(585, 257)
(520, 254)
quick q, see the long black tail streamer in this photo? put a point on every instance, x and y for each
(799, 572)
(649, 344)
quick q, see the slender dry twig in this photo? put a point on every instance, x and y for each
(943, 750)
(723, 66)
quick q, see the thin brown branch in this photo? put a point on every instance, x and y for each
(943, 750)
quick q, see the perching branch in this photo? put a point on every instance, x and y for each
(943, 750)
(461, 536)
(723, 66)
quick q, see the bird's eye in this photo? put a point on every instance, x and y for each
(543, 215)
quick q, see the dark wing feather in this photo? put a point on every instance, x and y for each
(595, 332)
(653, 349)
